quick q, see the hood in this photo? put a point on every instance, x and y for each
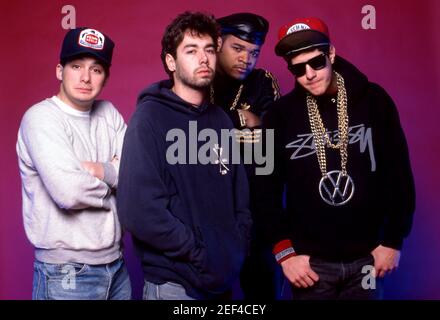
(161, 93)
(355, 81)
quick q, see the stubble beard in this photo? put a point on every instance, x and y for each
(194, 83)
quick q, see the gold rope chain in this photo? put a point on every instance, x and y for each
(320, 135)
(237, 97)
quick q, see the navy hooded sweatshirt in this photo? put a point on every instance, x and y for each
(190, 222)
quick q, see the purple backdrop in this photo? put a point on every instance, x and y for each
(401, 54)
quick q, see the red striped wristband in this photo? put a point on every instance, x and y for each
(283, 250)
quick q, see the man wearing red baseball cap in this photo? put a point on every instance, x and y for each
(342, 157)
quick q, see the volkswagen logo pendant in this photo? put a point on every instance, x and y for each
(335, 188)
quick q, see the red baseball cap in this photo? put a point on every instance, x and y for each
(301, 34)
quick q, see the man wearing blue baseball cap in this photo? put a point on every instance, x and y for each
(68, 148)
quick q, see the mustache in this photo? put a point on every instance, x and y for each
(241, 66)
(206, 68)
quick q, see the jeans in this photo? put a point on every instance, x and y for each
(165, 291)
(78, 281)
(342, 281)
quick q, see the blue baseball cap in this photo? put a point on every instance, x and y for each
(87, 41)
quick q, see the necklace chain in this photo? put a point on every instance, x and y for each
(321, 136)
(234, 103)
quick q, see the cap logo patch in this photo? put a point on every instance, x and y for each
(92, 39)
(297, 27)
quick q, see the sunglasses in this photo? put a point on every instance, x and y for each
(317, 63)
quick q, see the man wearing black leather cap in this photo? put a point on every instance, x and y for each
(245, 92)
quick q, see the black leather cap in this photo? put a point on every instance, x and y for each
(245, 26)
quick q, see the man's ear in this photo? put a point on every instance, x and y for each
(332, 54)
(219, 43)
(59, 72)
(171, 62)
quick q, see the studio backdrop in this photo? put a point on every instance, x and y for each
(395, 43)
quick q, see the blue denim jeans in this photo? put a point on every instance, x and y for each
(342, 281)
(77, 281)
(166, 291)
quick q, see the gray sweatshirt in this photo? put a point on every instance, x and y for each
(69, 215)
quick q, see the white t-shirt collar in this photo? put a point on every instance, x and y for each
(68, 109)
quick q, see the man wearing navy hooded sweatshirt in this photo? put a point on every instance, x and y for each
(189, 219)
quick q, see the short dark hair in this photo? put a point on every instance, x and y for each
(106, 67)
(197, 23)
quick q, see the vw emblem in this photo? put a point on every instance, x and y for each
(335, 188)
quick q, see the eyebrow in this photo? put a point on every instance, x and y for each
(191, 45)
(238, 45)
(97, 65)
(243, 47)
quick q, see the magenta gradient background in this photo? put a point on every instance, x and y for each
(402, 55)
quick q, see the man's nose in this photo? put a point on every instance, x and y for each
(85, 75)
(244, 58)
(203, 57)
(310, 72)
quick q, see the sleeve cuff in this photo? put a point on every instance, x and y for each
(283, 250)
(106, 203)
(110, 175)
(392, 243)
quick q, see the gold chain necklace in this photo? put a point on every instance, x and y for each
(234, 103)
(321, 139)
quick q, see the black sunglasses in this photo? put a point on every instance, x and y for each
(317, 63)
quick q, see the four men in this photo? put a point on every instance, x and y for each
(183, 195)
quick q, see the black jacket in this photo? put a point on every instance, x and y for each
(260, 89)
(190, 223)
(382, 207)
